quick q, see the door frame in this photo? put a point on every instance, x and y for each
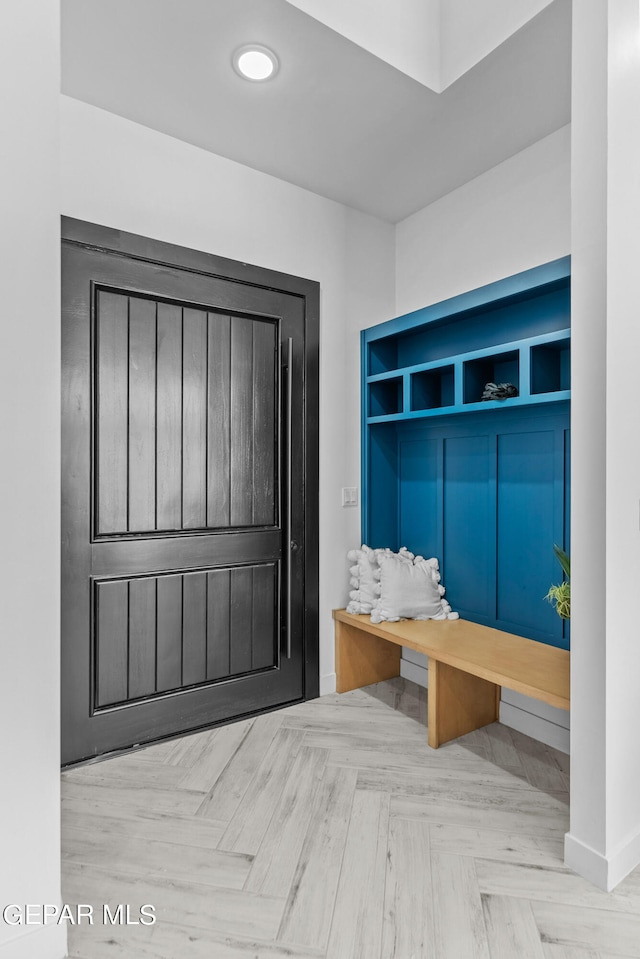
(120, 243)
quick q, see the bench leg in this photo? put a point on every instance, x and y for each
(458, 703)
(363, 659)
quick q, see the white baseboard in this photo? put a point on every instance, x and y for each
(586, 861)
(560, 717)
(603, 871)
(327, 684)
(529, 716)
(416, 673)
(624, 860)
(535, 726)
(39, 942)
(545, 723)
(410, 656)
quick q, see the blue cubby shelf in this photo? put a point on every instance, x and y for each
(537, 365)
(482, 485)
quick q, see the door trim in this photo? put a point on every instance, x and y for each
(120, 243)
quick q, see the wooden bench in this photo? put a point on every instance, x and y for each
(468, 665)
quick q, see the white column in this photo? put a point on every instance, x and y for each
(604, 839)
(29, 473)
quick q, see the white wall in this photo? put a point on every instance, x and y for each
(29, 484)
(470, 29)
(405, 33)
(123, 175)
(515, 216)
(604, 840)
(433, 41)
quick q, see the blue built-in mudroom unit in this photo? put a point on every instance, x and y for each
(482, 485)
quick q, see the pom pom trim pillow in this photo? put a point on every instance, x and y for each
(365, 576)
(410, 591)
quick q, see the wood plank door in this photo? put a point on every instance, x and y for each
(189, 591)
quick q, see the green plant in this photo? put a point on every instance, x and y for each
(560, 595)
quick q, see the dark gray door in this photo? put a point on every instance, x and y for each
(183, 593)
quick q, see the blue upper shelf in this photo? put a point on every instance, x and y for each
(438, 360)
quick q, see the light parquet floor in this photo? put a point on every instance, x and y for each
(330, 829)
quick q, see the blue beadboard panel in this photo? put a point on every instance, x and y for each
(468, 557)
(421, 484)
(526, 531)
(382, 485)
(488, 495)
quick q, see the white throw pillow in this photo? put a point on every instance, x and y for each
(410, 591)
(365, 575)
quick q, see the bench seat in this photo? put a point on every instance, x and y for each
(468, 665)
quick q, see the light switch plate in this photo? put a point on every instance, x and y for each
(349, 495)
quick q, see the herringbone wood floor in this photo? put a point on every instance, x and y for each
(330, 829)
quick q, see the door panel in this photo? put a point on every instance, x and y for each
(194, 419)
(156, 634)
(112, 642)
(174, 548)
(169, 630)
(140, 443)
(184, 417)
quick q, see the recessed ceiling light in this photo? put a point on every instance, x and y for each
(255, 62)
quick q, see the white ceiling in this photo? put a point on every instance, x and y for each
(336, 120)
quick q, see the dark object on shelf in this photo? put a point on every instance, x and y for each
(499, 391)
